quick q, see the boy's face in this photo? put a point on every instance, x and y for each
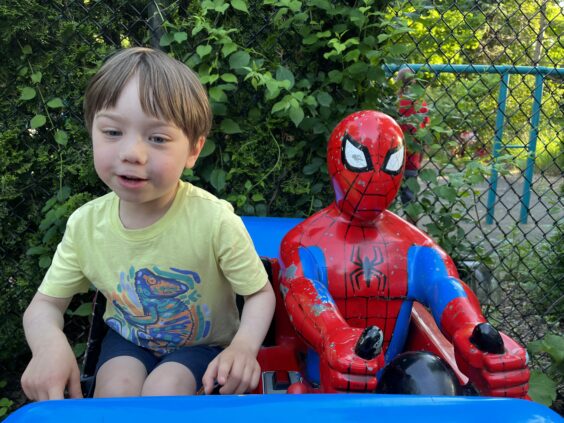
(138, 156)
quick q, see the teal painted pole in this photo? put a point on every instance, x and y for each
(500, 69)
(499, 124)
(529, 170)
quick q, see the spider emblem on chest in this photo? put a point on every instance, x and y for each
(366, 270)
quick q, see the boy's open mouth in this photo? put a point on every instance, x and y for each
(132, 178)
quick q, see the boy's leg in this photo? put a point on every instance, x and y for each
(120, 377)
(180, 372)
(122, 367)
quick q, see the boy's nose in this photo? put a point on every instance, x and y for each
(133, 150)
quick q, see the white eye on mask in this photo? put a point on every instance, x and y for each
(394, 161)
(354, 155)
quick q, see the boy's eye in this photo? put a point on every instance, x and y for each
(157, 140)
(112, 133)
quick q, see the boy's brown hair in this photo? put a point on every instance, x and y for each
(168, 89)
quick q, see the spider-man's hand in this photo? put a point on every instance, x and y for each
(495, 364)
(342, 369)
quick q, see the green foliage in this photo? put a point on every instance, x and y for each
(543, 385)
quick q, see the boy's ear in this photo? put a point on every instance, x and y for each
(196, 149)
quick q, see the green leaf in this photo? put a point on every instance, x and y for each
(228, 48)
(28, 93)
(229, 77)
(229, 126)
(239, 60)
(166, 40)
(297, 115)
(542, 389)
(34, 251)
(324, 99)
(45, 262)
(36, 77)
(55, 103)
(217, 94)
(27, 49)
(240, 5)
(83, 310)
(209, 148)
(217, 179)
(38, 121)
(281, 105)
(284, 74)
(61, 137)
(203, 51)
(79, 349)
(180, 37)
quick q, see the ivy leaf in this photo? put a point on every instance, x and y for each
(217, 179)
(297, 115)
(61, 137)
(240, 5)
(542, 389)
(55, 103)
(239, 60)
(229, 126)
(38, 121)
(28, 93)
(203, 51)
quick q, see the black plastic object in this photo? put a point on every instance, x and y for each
(487, 339)
(419, 373)
(369, 345)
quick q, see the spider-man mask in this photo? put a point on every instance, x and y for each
(365, 159)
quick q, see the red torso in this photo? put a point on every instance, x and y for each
(366, 265)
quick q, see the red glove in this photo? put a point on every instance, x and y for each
(495, 364)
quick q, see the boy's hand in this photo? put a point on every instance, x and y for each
(50, 372)
(235, 369)
(53, 366)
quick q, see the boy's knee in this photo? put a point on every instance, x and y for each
(118, 386)
(120, 377)
(169, 379)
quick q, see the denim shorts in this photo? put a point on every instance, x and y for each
(196, 358)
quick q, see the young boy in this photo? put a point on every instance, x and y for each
(167, 256)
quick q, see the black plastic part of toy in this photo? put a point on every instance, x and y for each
(487, 339)
(419, 373)
(369, 345)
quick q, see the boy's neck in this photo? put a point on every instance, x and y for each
(139, 216)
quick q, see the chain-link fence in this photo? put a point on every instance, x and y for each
(490, 181)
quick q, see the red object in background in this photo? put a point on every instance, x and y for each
(355, 264)
(406, 108)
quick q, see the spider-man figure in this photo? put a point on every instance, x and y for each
(353, 270)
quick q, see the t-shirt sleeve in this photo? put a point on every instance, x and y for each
(237, 256)
(65, 277)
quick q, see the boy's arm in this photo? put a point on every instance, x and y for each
(53, 366)
(236, 368)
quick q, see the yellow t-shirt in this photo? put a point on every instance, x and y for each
(168, 285)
